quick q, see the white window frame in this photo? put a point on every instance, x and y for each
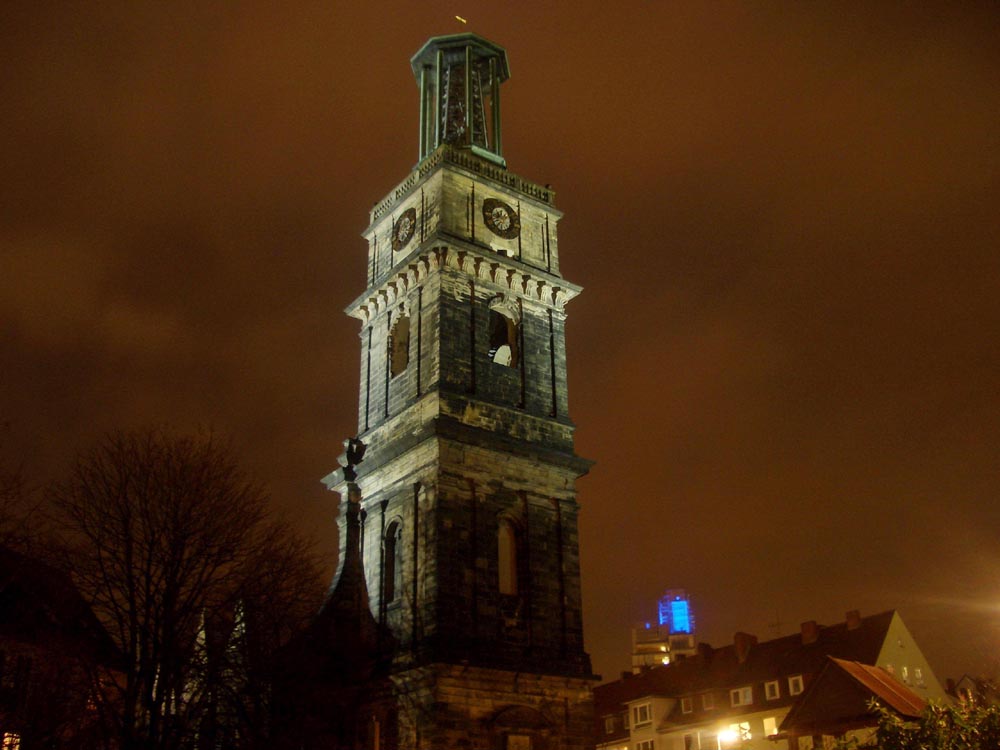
(795, 684)
(687, 705)
(741, 696)
(645, 745)
(772, 690)
(707, 701)
(642, 714)
(609, 724)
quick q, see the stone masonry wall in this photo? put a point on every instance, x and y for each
(445, 706)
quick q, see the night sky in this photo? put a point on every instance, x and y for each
(785, 362)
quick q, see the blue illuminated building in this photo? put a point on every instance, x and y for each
(674, 611)
(670, 634)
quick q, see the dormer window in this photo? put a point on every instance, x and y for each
(741, 696)
(687, 705)
(642, 714)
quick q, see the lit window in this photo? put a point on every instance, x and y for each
(772, 691)
(741, 731)
(507, 557)
(687, 705)
(918, 675)
(741, 696)
(399, 346)
(707, 701)
(642, 714)
(795, 684)
(11, 741)
(906, 674)
(770, 726)
(644, 745)
(890, 669)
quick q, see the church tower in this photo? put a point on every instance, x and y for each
(466, 489)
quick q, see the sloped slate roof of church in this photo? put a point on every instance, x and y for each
(39, 603)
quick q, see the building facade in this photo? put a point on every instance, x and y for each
(739, 695)
(458, 514)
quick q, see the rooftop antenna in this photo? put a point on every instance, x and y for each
(775, 627)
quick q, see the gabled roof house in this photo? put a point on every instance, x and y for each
(739, 694)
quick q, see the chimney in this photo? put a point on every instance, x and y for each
(705, 651)
(854, 619)
(810, 632)
(743, 642)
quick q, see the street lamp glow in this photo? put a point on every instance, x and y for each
(727, 736)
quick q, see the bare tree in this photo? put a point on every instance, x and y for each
(272, 605)
(11, 498)
(166, 538)
(17, 512)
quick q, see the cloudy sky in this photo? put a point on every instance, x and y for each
(786, 361)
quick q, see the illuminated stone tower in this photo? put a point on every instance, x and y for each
(466, 490)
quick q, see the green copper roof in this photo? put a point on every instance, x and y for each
(456, 43)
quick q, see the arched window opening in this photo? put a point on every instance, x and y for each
(392, 573)
(399, 345)
(504, 337)
(507, 557)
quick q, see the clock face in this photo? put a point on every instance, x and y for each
(402, 230)
(501, 219)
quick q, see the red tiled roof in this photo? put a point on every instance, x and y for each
(840, 700)
(884, 687)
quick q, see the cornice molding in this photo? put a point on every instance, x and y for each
(485, 265)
